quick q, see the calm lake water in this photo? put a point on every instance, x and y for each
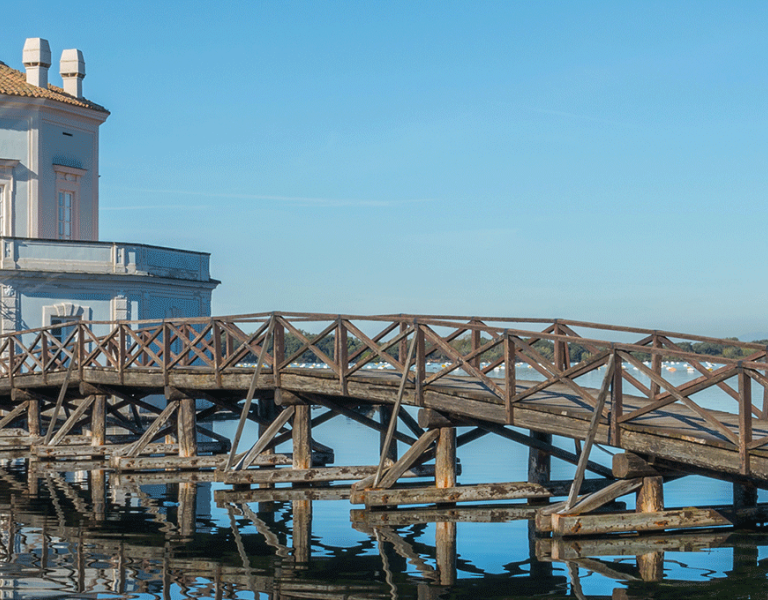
(92, 534)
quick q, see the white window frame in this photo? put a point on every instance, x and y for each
(6, 196)
(64, 312)
(68, 182)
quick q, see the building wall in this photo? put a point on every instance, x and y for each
(15, 144)
(29, 300)
(42, 135)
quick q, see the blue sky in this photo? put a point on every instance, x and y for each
(601, 161)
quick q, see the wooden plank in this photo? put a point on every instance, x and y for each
(14, 414)
(73, 418)
(463, 514)
(395, 411)
(469, 493)
(263, 441)
(59, 401)
(410, 456)
(123, 463)
(569, 549)
(687, 518)
(596, 415)
(291, 494)
(133, 450)
(251, 392)
(349, 473)
(603, 496)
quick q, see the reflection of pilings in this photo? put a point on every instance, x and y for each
(405, 550)
(651, 566)
(302, 530)
(98, 485)
(187, 509)
(539, 568)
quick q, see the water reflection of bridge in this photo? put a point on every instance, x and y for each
(82, 397)
(82, 535)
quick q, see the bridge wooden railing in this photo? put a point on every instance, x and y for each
(426, 351)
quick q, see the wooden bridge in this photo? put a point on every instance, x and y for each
(84, 391)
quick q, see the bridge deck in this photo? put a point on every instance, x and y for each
(674, 433)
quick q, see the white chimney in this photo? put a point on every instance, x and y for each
(72, 69)
(37, 59)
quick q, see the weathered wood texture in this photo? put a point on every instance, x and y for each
(687, 518)
(469, 493)
(205, 357)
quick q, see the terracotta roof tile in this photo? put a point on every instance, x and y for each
(14, 83)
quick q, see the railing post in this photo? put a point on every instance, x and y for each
(617, 401)
(764, 414)
(216, 333)
(421, 363)
(80, 341)
(558, 350)
(510, 381)
(44, 355)
(475, 335)
(278, 349)
(340, 354)
(121, 358)
(166, 352)
(11, 358)
(745, 418)
(402, 351)
(656, 365)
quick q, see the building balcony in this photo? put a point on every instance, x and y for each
(27, 254)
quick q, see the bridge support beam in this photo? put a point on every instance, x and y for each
(650, 496)
(539, 463)
(187, 428)
(744, 495)
(99, 420)
(302, 437)
(33, 417)
(445, 458)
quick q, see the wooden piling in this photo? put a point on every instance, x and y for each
(650, 496)
(33, 417)
(302, 437)
(187, 428)
(539, 463)
(445, 458)
(98, 420)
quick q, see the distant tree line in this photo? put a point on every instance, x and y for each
(463, 345)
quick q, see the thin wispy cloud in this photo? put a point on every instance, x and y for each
(294, 200)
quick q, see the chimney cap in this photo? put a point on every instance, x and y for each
(36, 53)
(72, 63)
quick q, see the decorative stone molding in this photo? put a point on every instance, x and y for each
(121, 307)
(9, 309)
(66, 309)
